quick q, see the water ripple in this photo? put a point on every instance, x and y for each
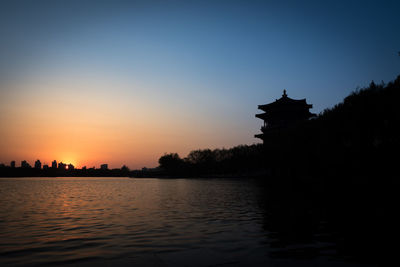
(121, 221)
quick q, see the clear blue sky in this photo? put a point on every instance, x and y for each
(201, 65)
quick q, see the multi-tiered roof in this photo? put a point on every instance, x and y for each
(283, 113)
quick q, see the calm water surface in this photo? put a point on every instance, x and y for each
(142, 222)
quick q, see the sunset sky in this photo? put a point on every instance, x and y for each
(123, 82)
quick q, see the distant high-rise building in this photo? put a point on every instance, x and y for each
(124, 168)
(12, 164)
(38, 164)
(54, 164)
(62, 166)
(25, 164)
(104, 166)
(45, 167)
(71, 167)
(84, 168)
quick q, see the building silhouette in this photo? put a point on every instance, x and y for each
(25, 164)
(38, 164)
(281, 114)
(54, 164)
(104, 166)
(62, 166)
(12, 164)
(71, 167)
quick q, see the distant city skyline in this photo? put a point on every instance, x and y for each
(54, 164)
(124, 82)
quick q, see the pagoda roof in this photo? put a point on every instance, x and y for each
(262, 116)
(283, 101)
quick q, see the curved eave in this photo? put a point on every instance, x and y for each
(261, 116)
(284, 101)
(312, 115)
(261, 136)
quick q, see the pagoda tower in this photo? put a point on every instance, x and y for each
(282, 113)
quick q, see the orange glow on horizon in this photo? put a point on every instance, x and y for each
(84, 123)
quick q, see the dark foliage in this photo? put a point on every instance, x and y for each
(172, 163)
(238, 160)
(357, 138)
(354, 140)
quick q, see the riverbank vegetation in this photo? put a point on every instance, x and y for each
(357, 138)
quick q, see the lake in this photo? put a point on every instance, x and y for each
(148, 222)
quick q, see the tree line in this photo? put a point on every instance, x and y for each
(237, 160)
(357, 137)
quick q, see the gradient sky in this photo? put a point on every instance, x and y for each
(123, 82)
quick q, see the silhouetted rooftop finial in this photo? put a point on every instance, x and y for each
(284, 93)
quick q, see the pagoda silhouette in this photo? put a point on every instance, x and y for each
(281, 114)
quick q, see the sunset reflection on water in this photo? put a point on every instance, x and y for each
(103, 220)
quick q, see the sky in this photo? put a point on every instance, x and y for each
(123, 82)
